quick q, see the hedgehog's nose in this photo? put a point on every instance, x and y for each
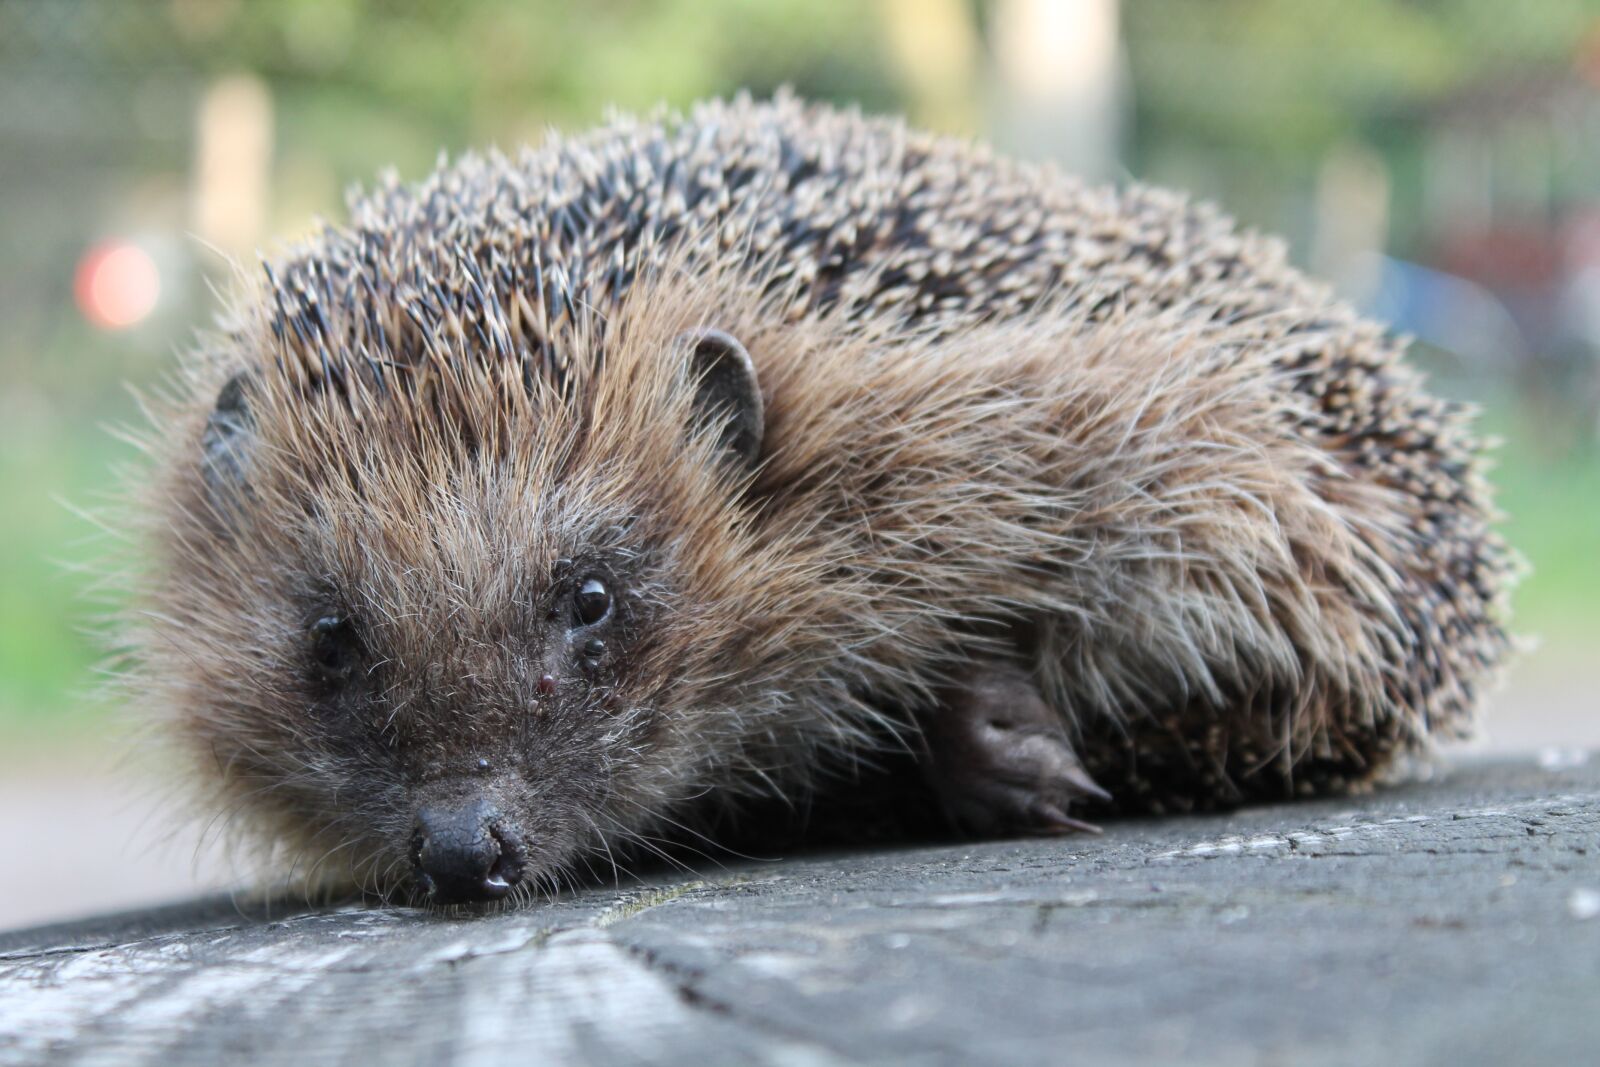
(465, 853)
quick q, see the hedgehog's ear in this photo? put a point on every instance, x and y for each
(726, 391)
(226, 444)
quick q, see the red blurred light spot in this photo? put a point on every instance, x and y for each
(117, 285)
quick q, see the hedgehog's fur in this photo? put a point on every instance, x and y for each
(1098, 431)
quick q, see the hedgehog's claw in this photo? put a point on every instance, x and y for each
(1052, 819)
(1000, 760)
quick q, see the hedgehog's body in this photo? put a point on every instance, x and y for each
(1017, 448)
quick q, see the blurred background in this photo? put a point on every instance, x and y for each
(1437, 160)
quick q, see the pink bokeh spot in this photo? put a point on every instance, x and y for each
(117, 285)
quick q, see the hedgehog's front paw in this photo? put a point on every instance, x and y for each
(1000, 759)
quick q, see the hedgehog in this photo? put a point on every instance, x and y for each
(565, 500)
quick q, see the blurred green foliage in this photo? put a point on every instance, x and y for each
(49, 649)
(1288, 78)
(1552, 509)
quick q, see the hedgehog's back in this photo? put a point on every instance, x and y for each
(907, 234)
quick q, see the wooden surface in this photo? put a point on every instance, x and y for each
(1454, 922)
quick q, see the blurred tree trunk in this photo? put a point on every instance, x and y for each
(935, 48)
(1058, 83)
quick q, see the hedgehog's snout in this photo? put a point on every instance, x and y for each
(465, 853)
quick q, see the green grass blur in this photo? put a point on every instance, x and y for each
(1552, 507)
(47, 647)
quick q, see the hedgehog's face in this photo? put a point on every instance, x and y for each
(438, 666)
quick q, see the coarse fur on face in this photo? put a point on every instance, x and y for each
(439, 520)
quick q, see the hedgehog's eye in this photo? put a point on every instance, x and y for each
(591, 602)
(335, 647)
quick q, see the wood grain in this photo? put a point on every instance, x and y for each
(1446, 922)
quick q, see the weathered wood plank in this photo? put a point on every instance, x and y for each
(1447, 922)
